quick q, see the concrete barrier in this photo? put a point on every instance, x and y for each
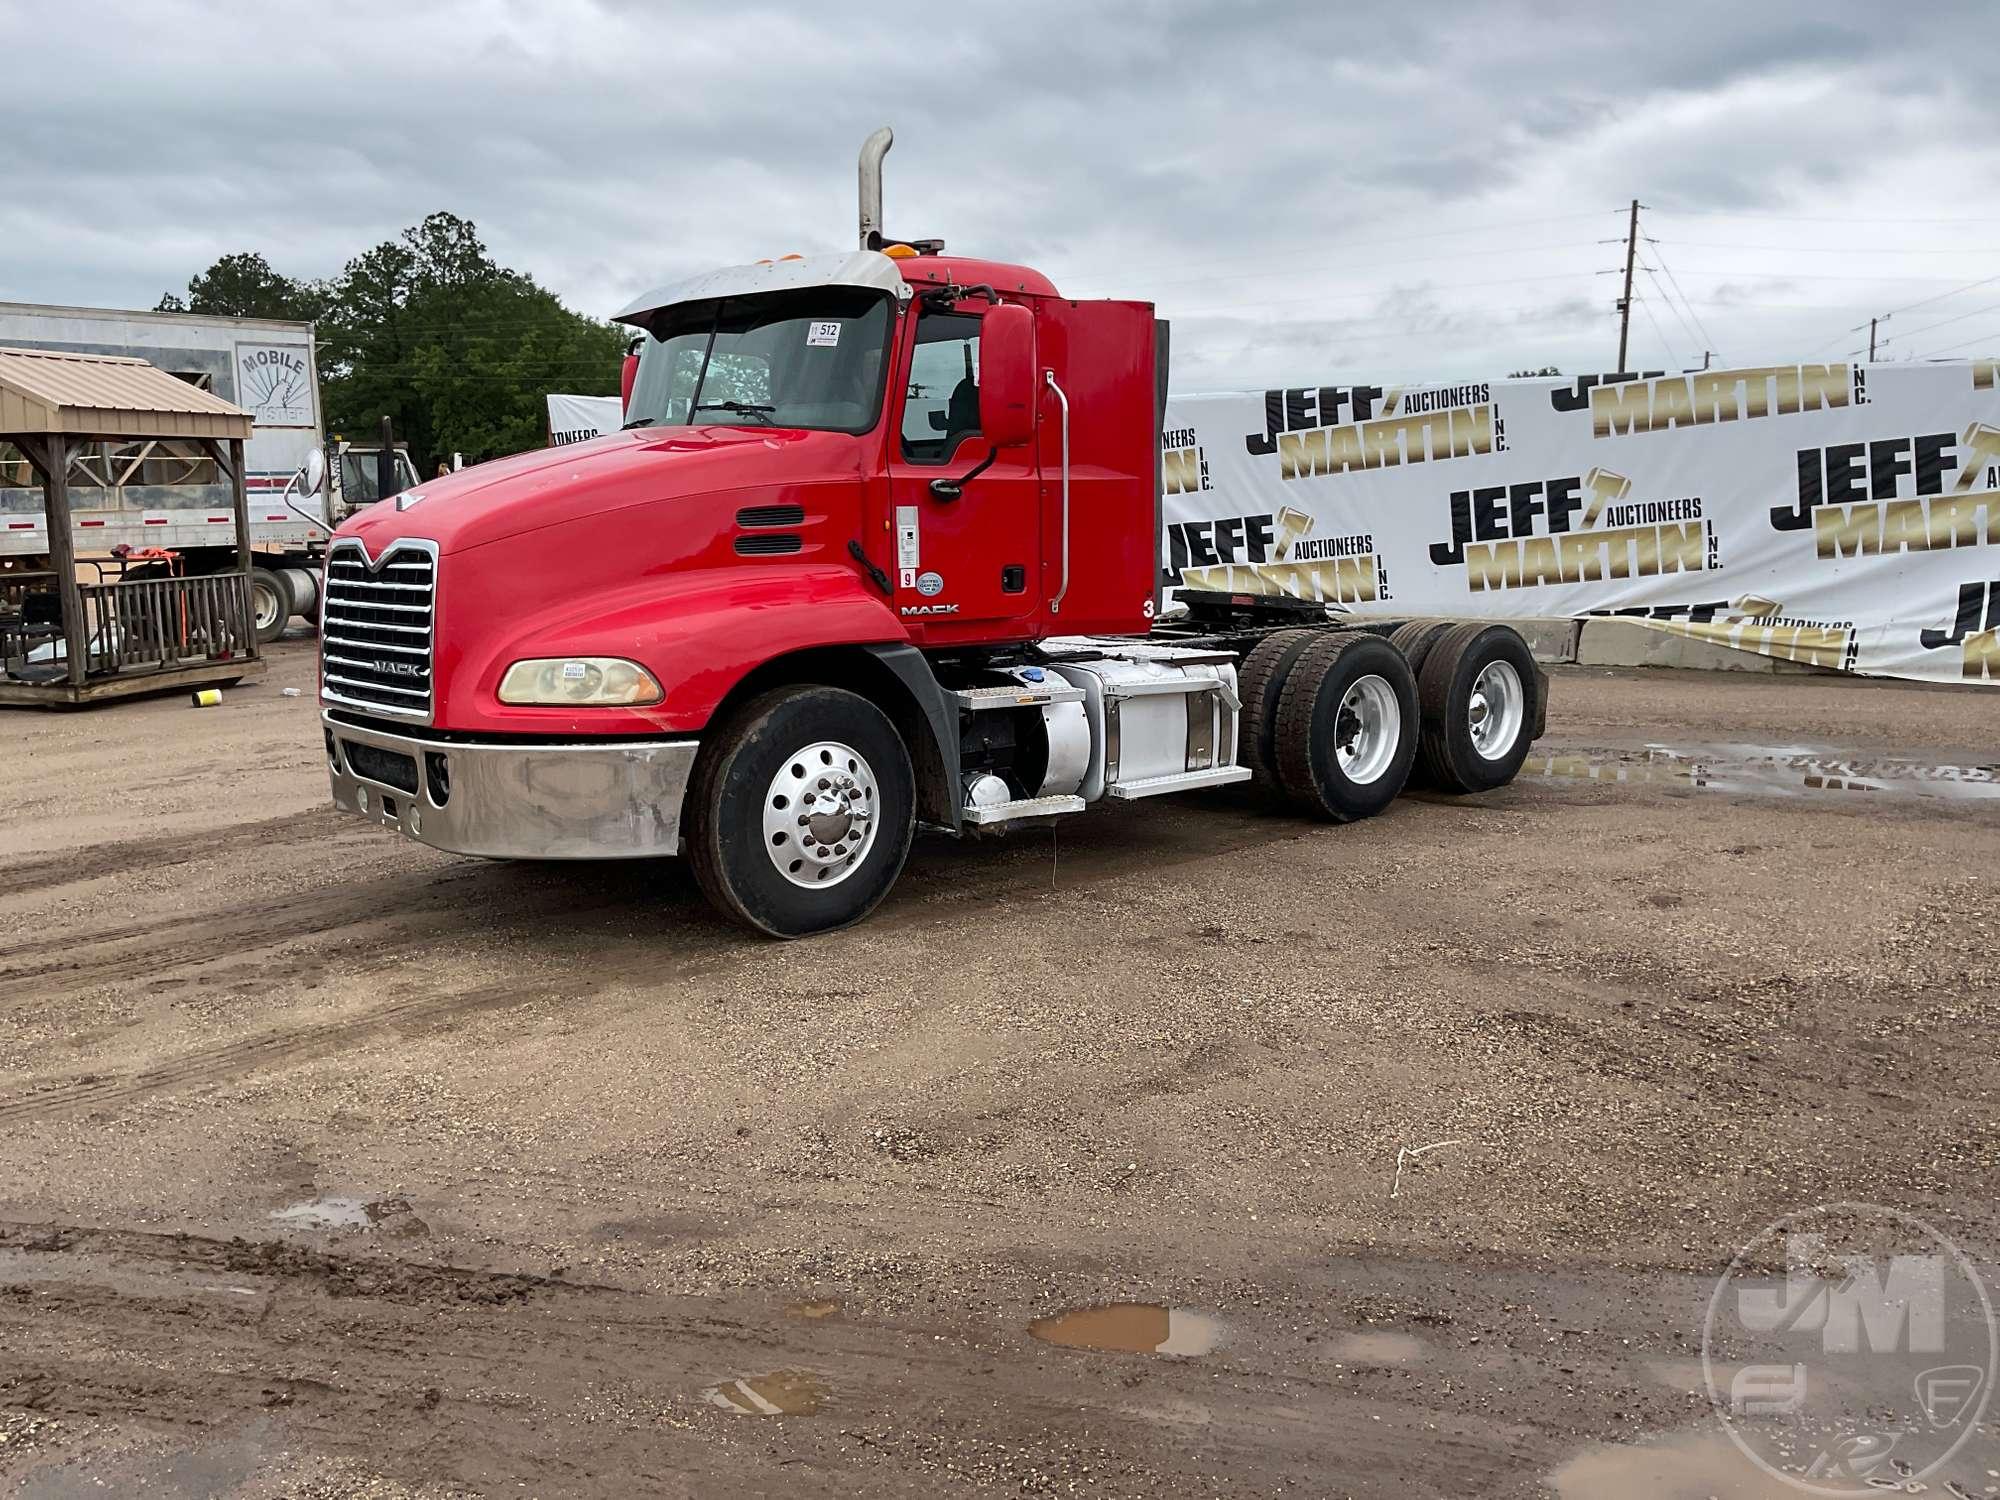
(1552, 641)
(1627, 643)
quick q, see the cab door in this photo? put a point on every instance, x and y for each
(967, 551)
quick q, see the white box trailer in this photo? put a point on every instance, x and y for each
(167, 495)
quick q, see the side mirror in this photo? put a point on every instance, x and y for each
(312, 473)
(626, 375)
(1007, 375)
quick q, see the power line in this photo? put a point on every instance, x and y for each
(1319, 300)
(1943, 323)
(1237, 263)
(1840, 249)
(1912, 307)
(1680, 317)
(1445, 324)
(1707, 340)
(1517, 309)
(1991, 337)
(1725, 213)
(1646, 308)
(1819, 276)
(1318, 266)
(1941, 296)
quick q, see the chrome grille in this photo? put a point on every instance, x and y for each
(375, 634)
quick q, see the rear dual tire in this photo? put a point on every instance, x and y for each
(1260, 685)
(1415, 639)
(1480, 698)
(1346, 726)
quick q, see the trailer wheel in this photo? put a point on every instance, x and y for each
(801, 811)
(270, 603)
(1480, 696)
(1347, 727)
(1258, 689)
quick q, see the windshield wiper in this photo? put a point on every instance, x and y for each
(637, 422)
(739, 408)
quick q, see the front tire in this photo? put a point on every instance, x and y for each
(801, 811)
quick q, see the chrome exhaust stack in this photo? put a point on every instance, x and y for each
(872, 151)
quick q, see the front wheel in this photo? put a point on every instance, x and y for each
(801, 811)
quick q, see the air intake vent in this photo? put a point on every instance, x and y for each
(767, 545)
(375, 636)
(771, 515)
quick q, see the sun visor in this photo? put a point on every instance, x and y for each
(861, 268)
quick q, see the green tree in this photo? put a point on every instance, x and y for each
(1530, 374)
(458, 351)
(245, 286)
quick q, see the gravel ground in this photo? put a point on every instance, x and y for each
(336, 1166)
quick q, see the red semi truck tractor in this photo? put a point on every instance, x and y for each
(879, 547)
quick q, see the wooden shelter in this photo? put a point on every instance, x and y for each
(71, 643)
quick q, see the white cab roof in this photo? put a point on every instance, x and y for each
(859, 268)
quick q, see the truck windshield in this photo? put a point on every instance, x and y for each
(810, 359)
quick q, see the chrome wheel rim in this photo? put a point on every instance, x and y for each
(1495, 712)
(821, 812)
(1367, 729)
(264, 599)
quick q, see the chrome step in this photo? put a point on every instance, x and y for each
(1026, 807)
(1180, 781)
(1016, 695)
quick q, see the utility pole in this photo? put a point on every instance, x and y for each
(1625, 302)
(1871, 340)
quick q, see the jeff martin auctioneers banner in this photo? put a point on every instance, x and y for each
(1844, 515)
(578, 419)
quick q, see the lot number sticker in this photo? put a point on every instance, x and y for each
(822, 335)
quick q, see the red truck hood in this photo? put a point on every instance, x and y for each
(552, 486)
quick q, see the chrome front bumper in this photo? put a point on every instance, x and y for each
(603, 800)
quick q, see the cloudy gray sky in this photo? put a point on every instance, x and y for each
(1311, 191)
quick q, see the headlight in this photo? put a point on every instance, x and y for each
(578, 680)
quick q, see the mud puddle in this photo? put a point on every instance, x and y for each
(1704, 1462)
(1881, 1417)
(782, 1393)
(391, 1215)
(324, 1213)
(1378, 1349)
(1696, 1464)
(1774, 770)
(1131, 1328)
